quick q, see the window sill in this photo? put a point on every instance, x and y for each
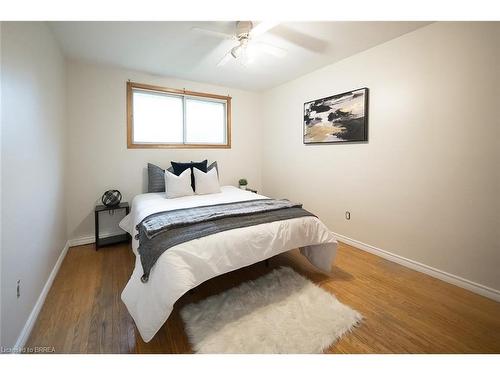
(160, 145)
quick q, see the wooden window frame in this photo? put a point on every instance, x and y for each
(134, 85)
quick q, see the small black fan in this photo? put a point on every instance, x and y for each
(111, 198)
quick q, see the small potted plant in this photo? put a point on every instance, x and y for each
(243, 183)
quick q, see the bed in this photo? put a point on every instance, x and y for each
(189, 264)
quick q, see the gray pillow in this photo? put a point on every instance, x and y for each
(213, 165)
(156, 178)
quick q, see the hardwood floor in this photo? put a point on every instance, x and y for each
(405, 311)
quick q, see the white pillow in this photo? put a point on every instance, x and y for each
(206, 183)
(178, 186)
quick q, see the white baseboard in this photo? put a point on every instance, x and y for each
(81, 241)
(90, 239)
(25, 333)
(420, 267)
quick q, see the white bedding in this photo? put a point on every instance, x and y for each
(187, 265)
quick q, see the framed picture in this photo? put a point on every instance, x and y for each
(337, 119)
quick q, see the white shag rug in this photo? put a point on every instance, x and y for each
(281, 312)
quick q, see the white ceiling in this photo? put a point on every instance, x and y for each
(172, 49)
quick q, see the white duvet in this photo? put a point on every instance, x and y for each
(187, 265)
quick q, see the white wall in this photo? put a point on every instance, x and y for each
(426, 185)
(98, 154)
(33, 148)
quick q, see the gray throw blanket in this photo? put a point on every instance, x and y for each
(160, 231)
(162, 221)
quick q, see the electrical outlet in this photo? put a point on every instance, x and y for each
(18, 288)
(347, 215)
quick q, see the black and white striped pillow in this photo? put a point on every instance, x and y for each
(212, 166)
(156, 178)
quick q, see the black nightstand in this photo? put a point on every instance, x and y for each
(99, 242)
(252, 190)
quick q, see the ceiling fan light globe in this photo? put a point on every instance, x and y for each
(247, 48)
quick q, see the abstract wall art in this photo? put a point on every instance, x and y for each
(337, 119)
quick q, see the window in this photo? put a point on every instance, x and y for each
(159, 117)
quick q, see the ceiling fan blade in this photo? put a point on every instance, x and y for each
(213, 33)
(262, 27)
(271, 49)
(225, 59)
(300, 38)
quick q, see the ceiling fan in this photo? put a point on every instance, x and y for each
(246, 45)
